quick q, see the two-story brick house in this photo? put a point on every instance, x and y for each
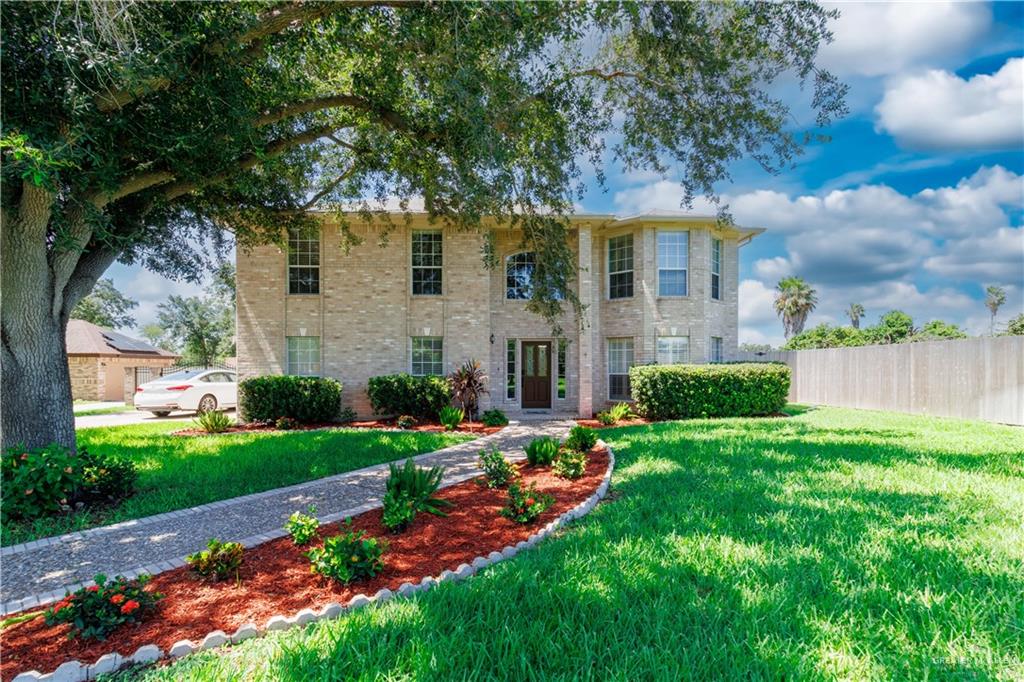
(658, 287)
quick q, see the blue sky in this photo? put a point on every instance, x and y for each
(915, 204)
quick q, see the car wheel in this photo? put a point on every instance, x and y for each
(207, 404)
(161, 413)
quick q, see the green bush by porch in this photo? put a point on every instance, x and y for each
(690, 391)
(309, 400)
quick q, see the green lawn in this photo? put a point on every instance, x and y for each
(177, 472)
(113, 409)
(836, 544)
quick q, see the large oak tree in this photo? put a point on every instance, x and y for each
(138, 131)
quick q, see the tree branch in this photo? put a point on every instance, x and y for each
(389, 117)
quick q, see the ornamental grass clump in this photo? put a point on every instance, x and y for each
(570, 464)
(94, 612)
(347, 557)
(450, 417)
(303, 527)
(213, 422)
(218, 561)
(409, 490)
(524, 506)
(498, 471)
(541, 451)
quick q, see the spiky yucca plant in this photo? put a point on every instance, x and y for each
(468, 383)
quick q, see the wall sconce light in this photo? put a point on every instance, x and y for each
(492, 339)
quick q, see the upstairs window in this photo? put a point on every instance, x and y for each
(427, 356)
(520, 269)
(673, 257)
(303, 261)
(620, 359)
(673, 350)
(426, 263)
(304, 356)
(620, 266)
(716, 269)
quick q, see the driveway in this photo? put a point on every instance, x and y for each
(133, 417)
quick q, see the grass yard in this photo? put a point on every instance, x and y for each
(837, 544)
(95, 411)
(176, 472)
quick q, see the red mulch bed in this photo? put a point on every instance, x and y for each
(275, 576)
(594, 424)
(434, 427)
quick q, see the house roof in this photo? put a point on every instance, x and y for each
(86, 338)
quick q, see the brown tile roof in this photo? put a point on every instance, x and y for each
(86, 338)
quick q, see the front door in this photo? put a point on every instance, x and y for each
(536, 374)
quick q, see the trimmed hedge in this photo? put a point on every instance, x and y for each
(421, 397)
(728, 390)
(305, 399)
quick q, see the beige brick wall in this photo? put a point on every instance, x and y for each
(87, 379)
(365, 313)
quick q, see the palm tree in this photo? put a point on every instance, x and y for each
(794, 301)
(855, 312)
(994, 298)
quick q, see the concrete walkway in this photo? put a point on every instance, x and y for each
(39, 572)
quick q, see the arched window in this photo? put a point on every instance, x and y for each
(519, 269)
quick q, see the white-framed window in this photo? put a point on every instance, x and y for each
(620, 266)
(620, 359)
(715, 353)
(304, 356)
(510, 369)
(673, 350)
(673, 260)
(303, 261)
(563, 355)
(519, 269)
(716, 269)
(427, 256)
(427, 356)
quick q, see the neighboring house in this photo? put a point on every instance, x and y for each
(105, 363)
(658, 287)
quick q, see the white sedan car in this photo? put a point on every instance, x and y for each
(197, 390)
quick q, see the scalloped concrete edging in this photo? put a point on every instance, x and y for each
(75, 671)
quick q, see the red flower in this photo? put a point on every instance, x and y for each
(529, 501)
(93, 588)
(129, 606)
(117, 599)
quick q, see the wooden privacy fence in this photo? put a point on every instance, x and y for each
(980, 378)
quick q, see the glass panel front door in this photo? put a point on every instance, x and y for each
(536, 374)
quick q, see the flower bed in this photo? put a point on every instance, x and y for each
(434, 427)
(275, 578)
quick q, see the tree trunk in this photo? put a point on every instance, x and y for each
(35, 409)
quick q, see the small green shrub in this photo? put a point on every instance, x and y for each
(498, 471)
(581, 438)
(421, 397)
(726, 390)
(213, 422)
(541, 451)
(347, 557)
(620, 412)
(494, 417)
(218, 561)
(346, 416)
(450, 417)
(570, 464)
(94, 612)
(409, 490)
(106, 478)
(305, 399)
(39, 482)
(605, 418)
(524, 506)
(405, 421)
(286, 424)
(303, 527)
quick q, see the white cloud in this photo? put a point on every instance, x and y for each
(755, 303)
(938, 110)
(773, 269)
(876, 39)
(994, 257)
(662, 194)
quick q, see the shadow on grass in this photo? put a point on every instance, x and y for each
(800, 552)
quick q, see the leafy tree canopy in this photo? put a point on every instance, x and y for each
(893, 327)
(106, 306)
(1016, 326)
